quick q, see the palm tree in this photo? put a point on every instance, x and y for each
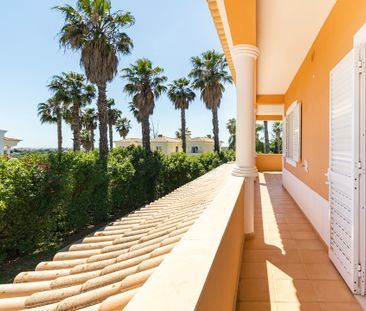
(72, 88)
(52, 112)
(113, 115)
(258, 142)
(145, 84)
(89, 120)
(98, 33)
(123, 126)
(86, 140)
(209, 75)
(178, 134)
(181, 95)
(266, 137)
(277, 130)
(231, 127)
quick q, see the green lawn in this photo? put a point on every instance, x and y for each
(9, 269)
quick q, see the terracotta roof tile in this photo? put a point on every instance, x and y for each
(104, 270)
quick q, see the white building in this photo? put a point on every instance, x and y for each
(6, 143)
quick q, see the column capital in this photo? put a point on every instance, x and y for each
(244, 171)
(245, 50)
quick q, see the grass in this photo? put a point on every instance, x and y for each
(10, 268)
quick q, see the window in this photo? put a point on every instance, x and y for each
(158, 148)
(292, 134)
(194, 149)
(176, 149)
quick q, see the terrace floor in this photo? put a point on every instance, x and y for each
(286, 267)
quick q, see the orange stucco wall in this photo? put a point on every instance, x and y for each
(269, 162)
(220, 290)
(311, 87)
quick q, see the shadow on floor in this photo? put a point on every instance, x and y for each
(286, 266)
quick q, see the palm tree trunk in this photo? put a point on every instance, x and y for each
(92, 139)
(145, 125)
(76, 126)
(215, 123)
(110, 135)
(59, 134)
(183, 127)
(103, 122)
(266, 138)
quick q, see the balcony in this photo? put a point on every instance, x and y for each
(186, 251)
(286, 266)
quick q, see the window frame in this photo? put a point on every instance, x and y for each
(293, 157)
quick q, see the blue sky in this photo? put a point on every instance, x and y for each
(167, 32)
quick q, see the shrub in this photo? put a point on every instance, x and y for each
(44, 197)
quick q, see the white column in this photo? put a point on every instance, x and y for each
(244, 57)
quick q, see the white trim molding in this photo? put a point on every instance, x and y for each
(244, 50)
(313, 205)
(225, 22)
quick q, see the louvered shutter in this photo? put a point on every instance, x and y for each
(293, 133)
(343, 187)
(296, 133)
(284, 137)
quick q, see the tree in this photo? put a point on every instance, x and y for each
(178, 134)
(98, 33)
(73, 90)
(113, 115)
(259, 145)
(231, 127)
(266, 137)
(89, 120)
(277, 131)
(181, 95)
(145, 84)
(123, 126)
(52, 112)
(86, 140)
(209, 75)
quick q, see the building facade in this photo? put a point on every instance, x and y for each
(7, 143)
(168, 145)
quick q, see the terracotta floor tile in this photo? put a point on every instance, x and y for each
(254, 306)
(286, 267)
(340, 306)
(300, 227)
(299, 306)
(314, 256)
(332, 291)
(256, 256)
(255, 290)
(309, 244)
(254, 271)
(295, 291)
(288, 271)
(304, 235)
(289, 256)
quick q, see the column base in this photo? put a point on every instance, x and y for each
(244, 171)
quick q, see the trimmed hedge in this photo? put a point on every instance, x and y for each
(43, 198)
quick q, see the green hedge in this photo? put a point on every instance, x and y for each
(43, 197)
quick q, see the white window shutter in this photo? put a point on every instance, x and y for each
(293, 134)
(296, 153)
(284, 137)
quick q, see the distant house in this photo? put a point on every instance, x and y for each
(6, 143)
(168, 145)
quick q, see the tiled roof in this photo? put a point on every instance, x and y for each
(107, 268)
(201, 139)
(165, 139)
(11, 139)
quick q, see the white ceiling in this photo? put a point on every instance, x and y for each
(286, 31)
